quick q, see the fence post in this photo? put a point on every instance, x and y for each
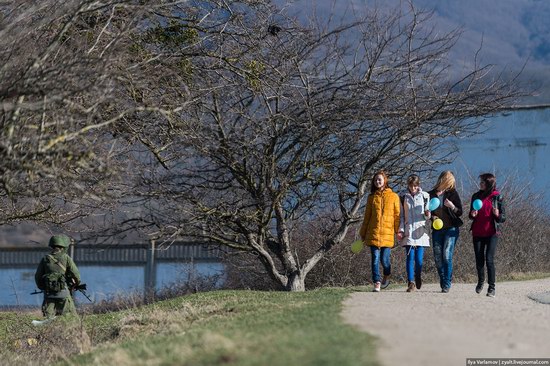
(71, 250)
(150, 271)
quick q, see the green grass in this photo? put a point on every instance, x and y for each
(524, 276)
(226, 328)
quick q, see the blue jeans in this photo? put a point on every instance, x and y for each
(378, 255)
(415, 258)
(443, 242)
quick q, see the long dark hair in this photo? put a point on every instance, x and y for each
(490, 184)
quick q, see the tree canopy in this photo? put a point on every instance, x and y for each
(232, 122)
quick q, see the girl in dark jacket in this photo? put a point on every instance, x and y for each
(485, 229)
(444, 239)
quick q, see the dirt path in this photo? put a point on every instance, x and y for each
(431, 328)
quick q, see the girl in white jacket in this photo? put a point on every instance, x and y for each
(414, 232)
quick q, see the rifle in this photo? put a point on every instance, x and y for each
(81, 288)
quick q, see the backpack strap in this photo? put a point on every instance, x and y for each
(58, 263)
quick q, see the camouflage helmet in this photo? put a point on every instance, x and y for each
(62, 241)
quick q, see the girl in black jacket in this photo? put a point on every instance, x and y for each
(444, 239)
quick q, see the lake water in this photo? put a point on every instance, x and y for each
(102, 281)
(515, 146)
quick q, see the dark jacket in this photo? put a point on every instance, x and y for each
(61, 263)
(449, 218)
(498, 202)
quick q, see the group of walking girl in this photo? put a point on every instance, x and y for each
(408, 217)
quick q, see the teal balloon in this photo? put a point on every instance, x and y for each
(477, 204)
(434, 204)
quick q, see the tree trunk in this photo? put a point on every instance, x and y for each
(296, 282)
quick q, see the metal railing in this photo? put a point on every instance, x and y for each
(146, 255)
(120, 255)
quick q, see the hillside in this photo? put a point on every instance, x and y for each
(214, 328)
(511, 33)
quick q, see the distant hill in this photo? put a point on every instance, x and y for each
(513, 30)
(512, 33)
(23, 234)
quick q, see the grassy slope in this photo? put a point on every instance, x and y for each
(227, 327)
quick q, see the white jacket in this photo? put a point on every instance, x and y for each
(412, 221)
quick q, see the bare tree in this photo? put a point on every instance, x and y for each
(289, 122)
(229, 122)
(64, 66)
(82, 84)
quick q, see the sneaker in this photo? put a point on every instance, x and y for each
(418, 281)
(385, 281)
(445, 290)
(491, 292)
(479, 288)
(411, 287)
(376, 287)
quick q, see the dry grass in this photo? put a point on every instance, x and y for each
(218, 327)
(39, 345)
(127, 318)
(64, 337)
(160, 320)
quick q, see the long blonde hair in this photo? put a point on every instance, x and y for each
(445, 182)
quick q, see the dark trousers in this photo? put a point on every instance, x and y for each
(484, 249)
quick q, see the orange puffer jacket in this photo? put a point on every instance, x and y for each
(381, 221)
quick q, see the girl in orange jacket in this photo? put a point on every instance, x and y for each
(380, 226)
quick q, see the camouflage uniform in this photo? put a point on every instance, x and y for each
(57, 264)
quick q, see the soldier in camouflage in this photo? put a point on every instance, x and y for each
(56, 275)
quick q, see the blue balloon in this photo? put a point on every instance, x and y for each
(434, 204)
(477, 204)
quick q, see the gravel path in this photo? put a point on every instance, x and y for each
(428, 327)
